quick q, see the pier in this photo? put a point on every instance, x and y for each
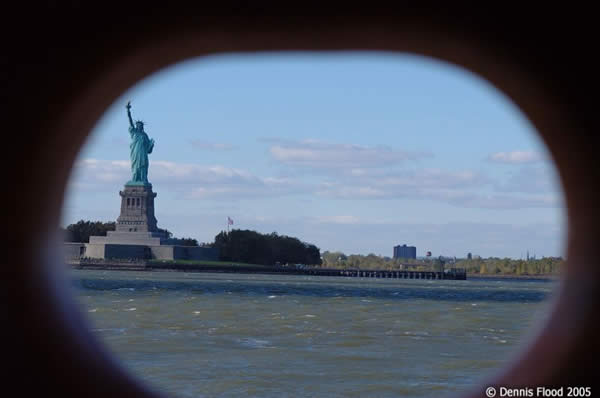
(144, 265)
(453, 273)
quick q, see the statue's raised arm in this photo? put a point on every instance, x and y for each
(128, 106)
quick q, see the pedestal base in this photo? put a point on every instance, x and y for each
(130, 238)
(109, 251)
(137, 235)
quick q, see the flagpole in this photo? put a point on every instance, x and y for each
(229, 222)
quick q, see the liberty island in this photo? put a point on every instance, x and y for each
(137, 236)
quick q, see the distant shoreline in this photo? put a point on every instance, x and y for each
(514, 276)
(227, 267)
(224, 267)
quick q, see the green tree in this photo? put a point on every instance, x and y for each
(183, 241)
(82, 230)
(166, 232)
(268, 249)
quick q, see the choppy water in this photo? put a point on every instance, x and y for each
(205, 335)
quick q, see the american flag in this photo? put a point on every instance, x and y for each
(229, 221)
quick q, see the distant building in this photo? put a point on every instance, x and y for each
(469, 256)
(405, 251)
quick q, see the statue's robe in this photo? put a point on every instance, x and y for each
(140, 147)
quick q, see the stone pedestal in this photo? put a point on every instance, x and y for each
(137, 209)
(136, 225)
(137, 234)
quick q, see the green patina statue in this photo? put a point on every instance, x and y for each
(140, 147)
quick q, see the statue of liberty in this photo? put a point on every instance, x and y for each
(140, 147)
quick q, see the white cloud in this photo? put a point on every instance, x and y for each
(89, 172)
(317, 154)
(515, 157)
(344, 220)
(527, 188)
(531, 179)
(342, 191)
(402, 184)
(358, 172)
(504, 202)
(212, 146)
(254, 187)
(458, 188)
(191, 181)
(432, 179)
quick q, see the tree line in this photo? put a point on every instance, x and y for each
(238, 245)
(268, 249)
(483, 266)
(370, 261)
(508, 266)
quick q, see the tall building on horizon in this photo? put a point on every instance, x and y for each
(405, 251)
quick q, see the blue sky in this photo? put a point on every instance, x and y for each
(351, 151)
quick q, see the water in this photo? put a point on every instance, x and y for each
(205, 335)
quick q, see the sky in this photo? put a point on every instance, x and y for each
(351, 151)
